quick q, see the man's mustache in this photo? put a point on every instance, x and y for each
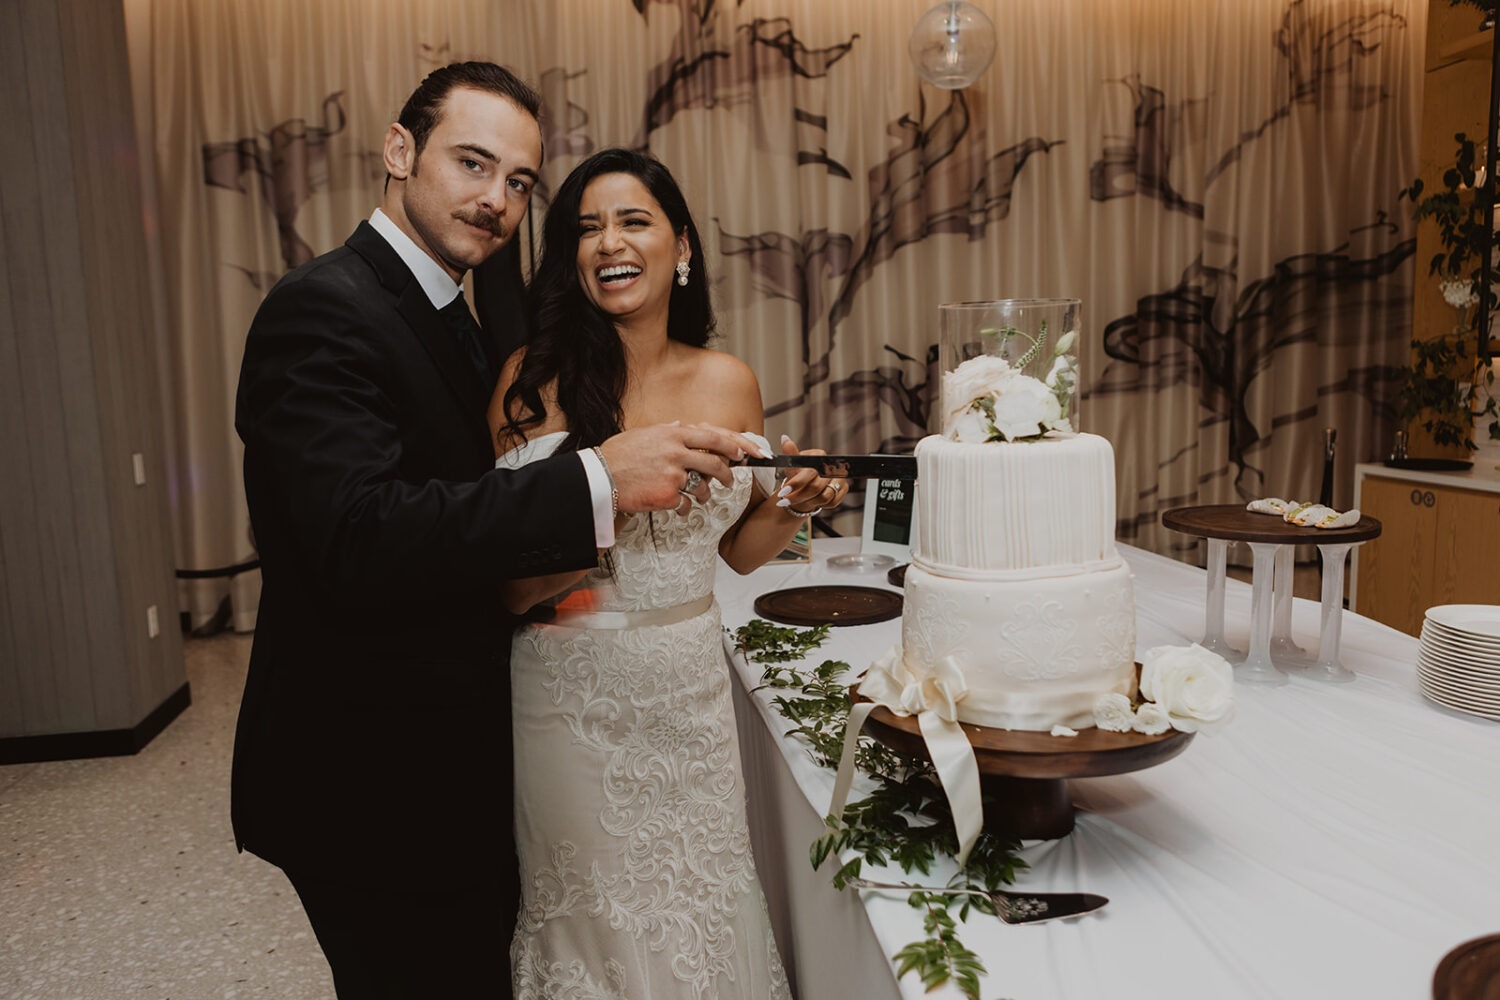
(484, 220)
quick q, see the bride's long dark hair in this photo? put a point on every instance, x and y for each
(574, 343)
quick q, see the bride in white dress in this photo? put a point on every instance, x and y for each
(637, 875)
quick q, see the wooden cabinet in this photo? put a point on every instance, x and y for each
(1439, 544)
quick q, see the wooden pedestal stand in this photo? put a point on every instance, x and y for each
(1024, 775)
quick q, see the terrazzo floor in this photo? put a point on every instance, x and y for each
(119, 878)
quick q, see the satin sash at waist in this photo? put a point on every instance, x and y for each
(579, 618)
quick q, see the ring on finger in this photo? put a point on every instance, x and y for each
(694, 479)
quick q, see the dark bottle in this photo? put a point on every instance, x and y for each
(1325, 494)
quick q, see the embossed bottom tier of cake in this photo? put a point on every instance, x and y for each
(1036, 650)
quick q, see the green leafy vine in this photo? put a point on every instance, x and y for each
(904, 821)
(1439, 388)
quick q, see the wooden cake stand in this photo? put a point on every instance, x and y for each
(1024, 776)
(1272, 543)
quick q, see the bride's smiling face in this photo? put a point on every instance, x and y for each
(627, 251)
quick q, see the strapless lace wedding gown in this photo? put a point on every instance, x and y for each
(637, 877)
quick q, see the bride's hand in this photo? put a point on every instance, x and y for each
(804, 492)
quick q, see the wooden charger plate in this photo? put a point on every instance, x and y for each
(829, 605)
(1233, 522)
(1469, 972)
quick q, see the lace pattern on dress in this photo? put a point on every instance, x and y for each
(649, 708)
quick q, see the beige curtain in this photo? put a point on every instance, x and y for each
(1217, 182)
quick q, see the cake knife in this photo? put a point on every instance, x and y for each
(1012, 907)
(842, 466)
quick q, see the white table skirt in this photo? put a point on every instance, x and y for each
(1331, 841)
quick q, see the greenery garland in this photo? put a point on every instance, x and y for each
(1439, 386)
(905, 821)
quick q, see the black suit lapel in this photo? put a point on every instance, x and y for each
(426, 324)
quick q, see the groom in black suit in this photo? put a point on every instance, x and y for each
(372, 756)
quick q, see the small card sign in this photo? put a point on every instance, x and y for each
(890, 526)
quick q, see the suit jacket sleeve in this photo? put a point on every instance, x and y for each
(359, 460)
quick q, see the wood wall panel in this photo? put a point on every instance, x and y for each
(120, 324)
(30, 583)
(83, 550)
(71, 504)
(17, 546)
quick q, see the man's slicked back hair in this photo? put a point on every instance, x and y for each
(424, 108)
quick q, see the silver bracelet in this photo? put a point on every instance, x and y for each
(614, 494)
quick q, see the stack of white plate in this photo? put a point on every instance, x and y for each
(1459, 661)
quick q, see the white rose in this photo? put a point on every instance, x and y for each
(1151, 719)
(1112, 713)
(1024, 407)
(970, 426)
(1192, 685)
(979, 376)
(1459, 294)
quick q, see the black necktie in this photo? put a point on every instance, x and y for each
(456, 314)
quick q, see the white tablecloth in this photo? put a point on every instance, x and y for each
(1332, 841)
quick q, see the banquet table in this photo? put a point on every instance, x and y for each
(1329, 841)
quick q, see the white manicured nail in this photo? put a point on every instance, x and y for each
(783, 503)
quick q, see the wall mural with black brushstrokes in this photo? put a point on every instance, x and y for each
(1216, 182)
(289, 163)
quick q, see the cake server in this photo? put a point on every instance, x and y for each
(842, 466)
(1013, 907)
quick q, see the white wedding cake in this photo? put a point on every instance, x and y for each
(1015, 579)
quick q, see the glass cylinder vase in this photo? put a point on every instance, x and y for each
(1036, 338)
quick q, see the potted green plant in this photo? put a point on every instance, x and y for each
(1442, 389)
(1487, 6)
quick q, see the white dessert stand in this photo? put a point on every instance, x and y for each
(1271, 542)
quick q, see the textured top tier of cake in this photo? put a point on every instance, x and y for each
(1000, 509)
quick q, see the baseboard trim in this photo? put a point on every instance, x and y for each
(99, 743)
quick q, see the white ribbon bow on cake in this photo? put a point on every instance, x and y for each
(933, 698)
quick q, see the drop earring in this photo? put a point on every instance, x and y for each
(682, 272)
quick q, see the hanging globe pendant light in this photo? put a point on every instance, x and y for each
(952, 44)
